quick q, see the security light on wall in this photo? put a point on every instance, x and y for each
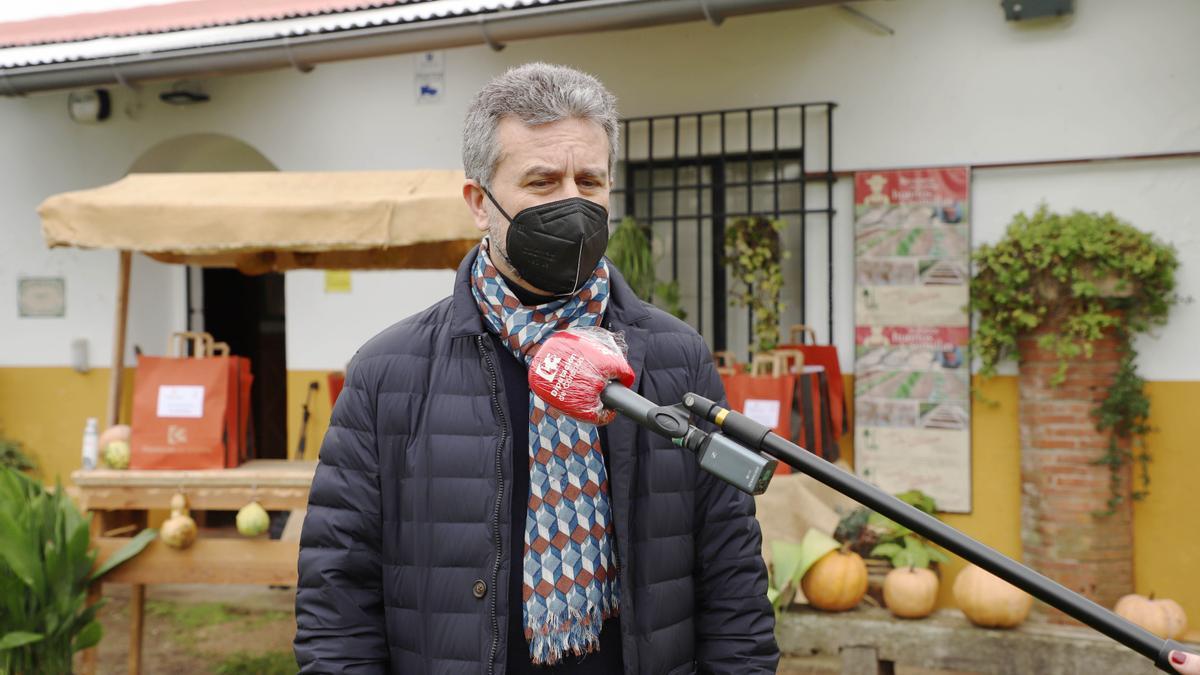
(184, 93)
(1019, 10)
(89, 106)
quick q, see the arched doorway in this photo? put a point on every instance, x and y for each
(201, 153)
(247, 312)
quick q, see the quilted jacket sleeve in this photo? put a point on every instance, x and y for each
(735, 625)
(339, 597)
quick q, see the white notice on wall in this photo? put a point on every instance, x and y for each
(765, 411)
(178, 400)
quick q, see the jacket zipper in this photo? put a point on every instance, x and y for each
(483, 351)
(626, 593)
(616, 550)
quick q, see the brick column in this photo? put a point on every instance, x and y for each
(1061, 488)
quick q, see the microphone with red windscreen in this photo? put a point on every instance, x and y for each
(583, 373)
(572, 368)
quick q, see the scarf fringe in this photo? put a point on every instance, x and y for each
(577, 634)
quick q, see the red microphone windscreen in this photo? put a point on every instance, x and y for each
(572, 367)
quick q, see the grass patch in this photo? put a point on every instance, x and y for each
(189, 616)
(195, 628)
(270, 663)
(262, 618)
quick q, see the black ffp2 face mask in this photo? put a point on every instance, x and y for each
(556, 246)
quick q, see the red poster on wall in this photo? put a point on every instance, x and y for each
(912, 372)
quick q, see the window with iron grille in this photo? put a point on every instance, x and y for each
(685, 176)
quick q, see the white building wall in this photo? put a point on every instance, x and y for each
(955, 84)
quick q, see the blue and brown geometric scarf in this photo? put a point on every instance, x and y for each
(570, 579)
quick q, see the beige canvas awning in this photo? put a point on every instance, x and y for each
(272, 221)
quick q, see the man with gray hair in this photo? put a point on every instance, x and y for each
(459, 524)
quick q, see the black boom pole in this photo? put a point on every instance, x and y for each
(759, 437)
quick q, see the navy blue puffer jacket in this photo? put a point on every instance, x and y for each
(404, 556)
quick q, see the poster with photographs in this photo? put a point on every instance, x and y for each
(912, 388)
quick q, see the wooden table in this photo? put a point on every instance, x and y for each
(870, 641)
(119, 501)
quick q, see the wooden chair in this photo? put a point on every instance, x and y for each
(727, 363)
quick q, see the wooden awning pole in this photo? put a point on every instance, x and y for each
(118, 359)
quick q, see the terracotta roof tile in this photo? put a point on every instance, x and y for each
(186, 15)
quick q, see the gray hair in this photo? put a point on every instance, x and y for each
(535, 93)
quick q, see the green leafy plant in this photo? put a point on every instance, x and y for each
(630, 250)
(1084, 276)
(872, 534)
(666, 296)
(754, 253)
(13, 456)
(45, 570)
(910, 551)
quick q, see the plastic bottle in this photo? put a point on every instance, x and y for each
(91, 444)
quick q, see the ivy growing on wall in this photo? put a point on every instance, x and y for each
(1085, 276)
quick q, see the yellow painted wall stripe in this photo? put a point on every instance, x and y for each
(45, 408)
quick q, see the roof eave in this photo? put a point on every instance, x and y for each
(305, 51)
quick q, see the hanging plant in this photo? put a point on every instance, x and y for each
(754, 253)
(629, 249)
(1088, 276)
(666, 296)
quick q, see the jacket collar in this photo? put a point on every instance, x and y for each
(625, 310)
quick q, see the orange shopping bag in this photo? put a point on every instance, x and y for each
(765, 398)
(827, 357)
(237, 419)
(181, 410)
(245, 421)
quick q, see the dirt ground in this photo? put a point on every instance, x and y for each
(218, 630)
(833, 666)
(194, 629)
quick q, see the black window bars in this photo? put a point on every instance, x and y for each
(687, 175)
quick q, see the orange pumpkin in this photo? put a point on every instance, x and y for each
(1165, 618)
(910, 592)
(836, 582)
(990, 601)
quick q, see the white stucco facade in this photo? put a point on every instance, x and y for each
(955, 84)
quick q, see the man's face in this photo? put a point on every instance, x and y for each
(541, 164)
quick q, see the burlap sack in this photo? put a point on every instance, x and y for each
(794, 503)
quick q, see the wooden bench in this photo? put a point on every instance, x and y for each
(869, 641)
